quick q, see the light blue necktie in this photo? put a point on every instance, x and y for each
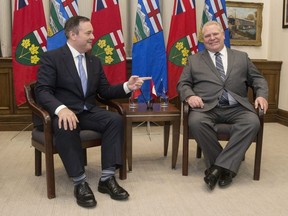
(223, 100)
(82, 73)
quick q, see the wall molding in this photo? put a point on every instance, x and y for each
(282, 117)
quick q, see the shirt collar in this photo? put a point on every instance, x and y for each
(223, 52)
(74, 52)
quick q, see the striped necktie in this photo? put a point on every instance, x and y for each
(82, 74)
(223, 100)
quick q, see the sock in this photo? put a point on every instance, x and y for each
(107, 173)
(79, 179)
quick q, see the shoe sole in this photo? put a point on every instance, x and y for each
(221, 185)
(90, 205)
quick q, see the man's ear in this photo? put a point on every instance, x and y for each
(72, 35)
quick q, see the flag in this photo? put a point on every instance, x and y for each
(29, 37)
(148, 51)
(136, 93)
(214, 10)
(60, 11)
(153, 90)
(182, 41)
(108, 44)
(161, 90)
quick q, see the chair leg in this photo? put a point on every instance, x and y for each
(198, 152)
(38, 163)
(50, 176)
(258, 155)
(185, 156)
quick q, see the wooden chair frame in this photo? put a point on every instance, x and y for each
(224, 137)
(44, 142)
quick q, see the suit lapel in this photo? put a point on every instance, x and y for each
(89, 66)
(71, 67)
(207, 59)
(230, 60)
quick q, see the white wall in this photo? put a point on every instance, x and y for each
(278, 47)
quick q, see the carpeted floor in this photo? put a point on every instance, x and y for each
(155, 189)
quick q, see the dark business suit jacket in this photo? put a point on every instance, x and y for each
(201, 78)
(58, 82)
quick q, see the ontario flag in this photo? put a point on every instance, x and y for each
(28, 43)
(109, 42)
(182, 41)
(60, 11)
(148, 51)
(214, 10)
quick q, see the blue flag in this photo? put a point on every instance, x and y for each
(60, 11)
(148, 51)
(214, 10)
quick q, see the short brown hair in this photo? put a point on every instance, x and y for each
(72, 24)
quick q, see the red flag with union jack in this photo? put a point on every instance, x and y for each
(109, 42)
(182, 41)
(29, 37)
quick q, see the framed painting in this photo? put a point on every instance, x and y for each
(245, 23)
(285, 15)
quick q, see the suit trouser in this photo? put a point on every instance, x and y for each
(244, 127)
(68, 143)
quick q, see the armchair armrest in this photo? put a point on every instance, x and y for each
(35, 108)
(111, 104)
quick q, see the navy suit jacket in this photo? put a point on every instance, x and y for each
(58, 82)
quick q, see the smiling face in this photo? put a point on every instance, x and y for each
(81, 37)
(213, 36)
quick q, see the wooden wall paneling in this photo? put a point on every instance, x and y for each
(271, 71)
(13, 117)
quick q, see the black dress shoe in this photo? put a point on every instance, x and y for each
(84, 195)
(110, 186)
(225, 178)
(209, 170)
(212, 176)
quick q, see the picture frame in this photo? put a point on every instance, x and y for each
(245, 23)
(285, 14)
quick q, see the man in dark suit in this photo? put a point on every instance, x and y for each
(214, 83)
(72, 105)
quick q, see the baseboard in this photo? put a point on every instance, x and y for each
(282, 117)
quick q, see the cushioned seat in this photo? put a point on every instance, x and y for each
(42, 140)
(223, 133)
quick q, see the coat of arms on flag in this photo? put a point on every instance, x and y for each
(110, 48)
(182, 41)
(108, 45)
(28, 43)
(148, 51)
(182, 48)
(31, 46)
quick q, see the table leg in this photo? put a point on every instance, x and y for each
(166, 136)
